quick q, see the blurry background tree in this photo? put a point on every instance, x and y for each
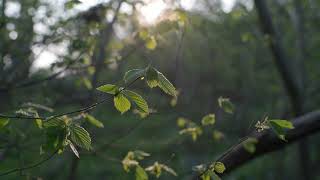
(262, 55)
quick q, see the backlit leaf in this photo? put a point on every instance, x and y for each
(121, 103)
(151, 43)
(166, 85)
(152, 77)
(108, 88)
(80, 137)
(138, 100)
(133, 75)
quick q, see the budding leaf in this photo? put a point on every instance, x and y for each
(219, 167)
(226, 105)
(279, 126)
(121, 103)
(94, 121)
(209, 119)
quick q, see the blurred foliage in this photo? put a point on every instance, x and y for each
(210, 61)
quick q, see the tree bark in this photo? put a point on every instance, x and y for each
(292, 82)
(268, 142)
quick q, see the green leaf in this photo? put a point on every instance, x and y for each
(151, 43)
(141, 173)
(279, 126)
(53, 122)
(108, 88)
(133, 75)
(4, 122)
(138, 100)
(152, 77)
(226, 105)
(80, 137)
(144, 34)
(166, 85)
(74, 150)
(219, 167)
(121, 103)
(39, 123)
(283, 123)
(209, 119)
(250, 144)
(94, 121)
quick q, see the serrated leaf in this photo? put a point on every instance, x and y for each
(138, 100)
(133, 75)
(219, 167)
(94, 121)
(209, 119)
(74, 150)
(152, 77)
(80, 137)
(4, 122)
(108, 88)
(166, 85)
(226, 105)
(121, 103)
(141, 173)
(151, 43)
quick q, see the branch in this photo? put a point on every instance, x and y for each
(30, 166)
(268, 142)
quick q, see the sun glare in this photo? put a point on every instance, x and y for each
(151, 11)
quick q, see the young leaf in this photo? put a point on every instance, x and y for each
(74, 150)
(279, 126)
(4, 122)
(141, 173)
(138, 100)
(152, 77)
(121, 103)
(108, 88)
(226, 105)
(155, 169)
(94, 121)
(209, 119)
(219, 167)
(133, 75)
(283, 123)
(81, 137)
(166, 85)
(217, 135)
